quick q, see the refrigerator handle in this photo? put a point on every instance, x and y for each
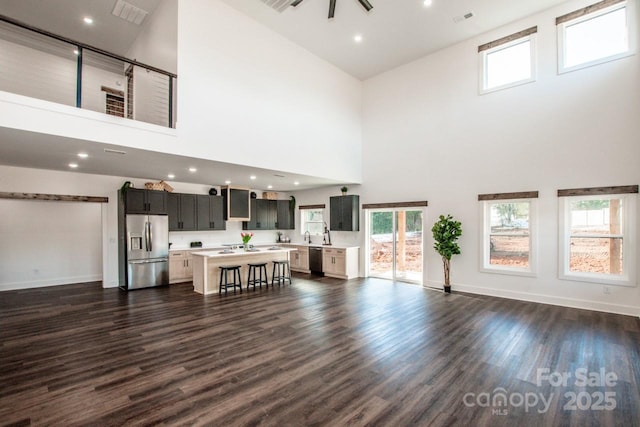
(150, 237)
(146, 236)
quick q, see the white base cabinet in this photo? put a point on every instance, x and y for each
(341, 263)
(180, 266)
(299, 259)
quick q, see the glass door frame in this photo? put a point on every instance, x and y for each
(367, 238)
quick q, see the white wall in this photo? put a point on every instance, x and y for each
(49, 243)
(428, 135)
(157, 43)
(247, 95)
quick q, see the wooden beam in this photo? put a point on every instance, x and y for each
(507, 39)
(419, 204)
(53, 197)
(312, 207)
(586, 10)
(598, 191)
(507, 196)
(119, 93)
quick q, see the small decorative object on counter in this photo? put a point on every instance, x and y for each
(279, 239)
(344, 191)
(245, 240)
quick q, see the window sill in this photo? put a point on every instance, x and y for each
(598, 279)
(508, 271)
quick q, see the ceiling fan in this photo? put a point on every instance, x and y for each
(332, 6)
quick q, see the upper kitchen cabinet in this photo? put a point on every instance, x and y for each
(263, 215)
(139, 201)
(285, 218)
(237, 203)
(182, 211)
(344, 213)
(210, 213)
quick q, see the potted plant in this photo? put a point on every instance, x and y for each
(344, 191)
(445, 233)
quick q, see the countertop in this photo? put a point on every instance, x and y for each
(320, 245)
(219, 253)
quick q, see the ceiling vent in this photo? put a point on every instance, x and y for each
(129, 12)
(464, 17)
(279, 5)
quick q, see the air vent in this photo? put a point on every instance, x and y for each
(129, 12)
(109, 150)
(464, 17)
(279, 5)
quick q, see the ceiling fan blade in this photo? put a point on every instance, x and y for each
(295, 3)
(366, 4)
(332, 8)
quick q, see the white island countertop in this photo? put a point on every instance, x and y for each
(221, 253)
(320, 245)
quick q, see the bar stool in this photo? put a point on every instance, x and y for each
(262, 268)
(237, 280)
(281, 273)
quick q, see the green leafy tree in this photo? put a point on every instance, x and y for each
(446, 232)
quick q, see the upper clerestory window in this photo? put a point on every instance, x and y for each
(593, 35)
(508, 62)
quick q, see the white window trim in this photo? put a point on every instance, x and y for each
(631, 37)
(303, 221)
(485, 227)
(628, 243)
(483, 64)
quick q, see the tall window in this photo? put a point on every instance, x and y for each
(509, 239)
(312, 221)
(508, 61)
(592, 35)
(597, 241)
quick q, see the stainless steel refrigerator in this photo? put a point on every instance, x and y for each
(147, 251)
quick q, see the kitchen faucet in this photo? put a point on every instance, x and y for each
(307, 236)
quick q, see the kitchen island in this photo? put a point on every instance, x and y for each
(206, 265)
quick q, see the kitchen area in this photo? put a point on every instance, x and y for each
(202, 229)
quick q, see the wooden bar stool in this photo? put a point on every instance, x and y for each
(262, 268)
(224, 278)
(281, 273)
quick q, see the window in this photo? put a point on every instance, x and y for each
(596, 243)
(509, 239)
(312, 221)
(593, 35)
(508, 62)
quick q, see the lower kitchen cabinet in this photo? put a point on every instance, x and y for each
(342, 263)
(180, 266)
(300, 259)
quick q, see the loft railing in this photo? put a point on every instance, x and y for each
(43, 65)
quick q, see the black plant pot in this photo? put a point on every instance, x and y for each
(447, 289)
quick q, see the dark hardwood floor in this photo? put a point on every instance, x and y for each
(321, 352)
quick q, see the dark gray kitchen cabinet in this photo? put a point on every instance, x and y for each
(263, 215)
(344, 213)
(285, 219)
(182, 211)
(140, 201)
(210, 212)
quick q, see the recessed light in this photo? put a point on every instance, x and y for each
(296, 183)
(192, 170)
(227, 182)
(252, 177)
(73, 165)
(269, 187)
(171, 176)
(427, 3)
(83, 155)
(357, 38)
(88, 20)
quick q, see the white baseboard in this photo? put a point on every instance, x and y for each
(49, 282)
(544, 299)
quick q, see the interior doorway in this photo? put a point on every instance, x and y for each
(395, 244)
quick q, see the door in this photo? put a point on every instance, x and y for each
(395, 244)
(173, 209)
(188, 212)
(137, 242)
(158, 231)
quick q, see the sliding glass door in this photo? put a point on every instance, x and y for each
(395, 244)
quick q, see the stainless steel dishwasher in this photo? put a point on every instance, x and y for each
(315, 259)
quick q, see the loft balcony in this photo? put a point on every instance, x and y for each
(38, 64)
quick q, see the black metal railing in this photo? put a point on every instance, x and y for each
(47, 66)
